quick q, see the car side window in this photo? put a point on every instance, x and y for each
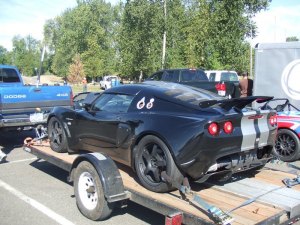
(167, 75)
(114, 103)
(212, 77)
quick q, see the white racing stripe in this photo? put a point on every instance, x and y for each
(48, 212)
(254, 134)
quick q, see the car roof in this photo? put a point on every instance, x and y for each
(165, 90)
(221, 71)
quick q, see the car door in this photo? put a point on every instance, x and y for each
(101, 125)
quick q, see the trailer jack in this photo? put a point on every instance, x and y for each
(216, 214)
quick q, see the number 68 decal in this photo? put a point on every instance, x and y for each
(141, 104)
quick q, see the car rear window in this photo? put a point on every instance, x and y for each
(227, 76)
(193, 75)
(8, 75)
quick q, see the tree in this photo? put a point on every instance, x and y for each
(140, 37)
(291, 39)
(88, 30)
(3, 55)
(26, 54)
(76, 70)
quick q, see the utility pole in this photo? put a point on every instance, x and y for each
(164, 36)
(251, 55)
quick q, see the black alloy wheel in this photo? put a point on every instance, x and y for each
(153, 162)
(151, 159)
(287, 147)
(57, 135)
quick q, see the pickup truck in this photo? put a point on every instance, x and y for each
(196, 78)
(109, 81)
(25, 106)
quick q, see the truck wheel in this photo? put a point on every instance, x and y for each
(287, 146)
(89, 193)
(57, 135)
(152, 157)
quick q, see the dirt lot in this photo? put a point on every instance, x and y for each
(52, 79)
(49, 79)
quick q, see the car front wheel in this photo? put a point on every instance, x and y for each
(57, 135)
(151, 159)
(287, 146)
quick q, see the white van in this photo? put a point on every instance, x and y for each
(222, 75)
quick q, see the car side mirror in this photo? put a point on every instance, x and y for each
(87, 106)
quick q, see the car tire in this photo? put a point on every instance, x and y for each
(57, 136)
(151, 158)
(89, 193)
(287, 146)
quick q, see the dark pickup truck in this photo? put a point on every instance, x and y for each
(196, 78)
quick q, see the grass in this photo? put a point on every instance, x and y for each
(77, 88)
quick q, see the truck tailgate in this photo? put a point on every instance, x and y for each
(26, 99)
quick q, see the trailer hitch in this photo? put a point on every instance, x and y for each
(291, 182)
(216, 214)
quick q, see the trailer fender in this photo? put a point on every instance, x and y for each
(109, 175)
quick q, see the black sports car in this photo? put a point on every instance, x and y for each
(158, 127)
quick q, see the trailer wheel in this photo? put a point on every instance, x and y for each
(287, 146)
(152, 157)
(89, 193)
(57, 135)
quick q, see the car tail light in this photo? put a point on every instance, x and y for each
(228, 127)
(71, 98)
(174, 219)
(273, 120)
(221, 87)
(213, 129)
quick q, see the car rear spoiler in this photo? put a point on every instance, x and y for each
(237, 103)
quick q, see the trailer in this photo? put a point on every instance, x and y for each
(252, 198)
(277, 67)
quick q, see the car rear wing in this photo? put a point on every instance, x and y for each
(237, 103)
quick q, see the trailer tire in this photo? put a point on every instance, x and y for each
(57, 136)
(89, 193)
(149, 164)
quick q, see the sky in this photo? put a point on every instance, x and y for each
(27, 17)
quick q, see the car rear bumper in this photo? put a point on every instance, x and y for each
(23, 121)
(232, 163)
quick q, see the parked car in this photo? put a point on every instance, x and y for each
(195, 78)
(109, 81)
(287, 145)
(228, 76)
(222, 75)
(157, 127)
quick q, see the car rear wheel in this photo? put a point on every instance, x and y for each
(57, 135)
(151, 159)
(287, 146)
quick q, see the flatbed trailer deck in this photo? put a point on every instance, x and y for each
(279, 205)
